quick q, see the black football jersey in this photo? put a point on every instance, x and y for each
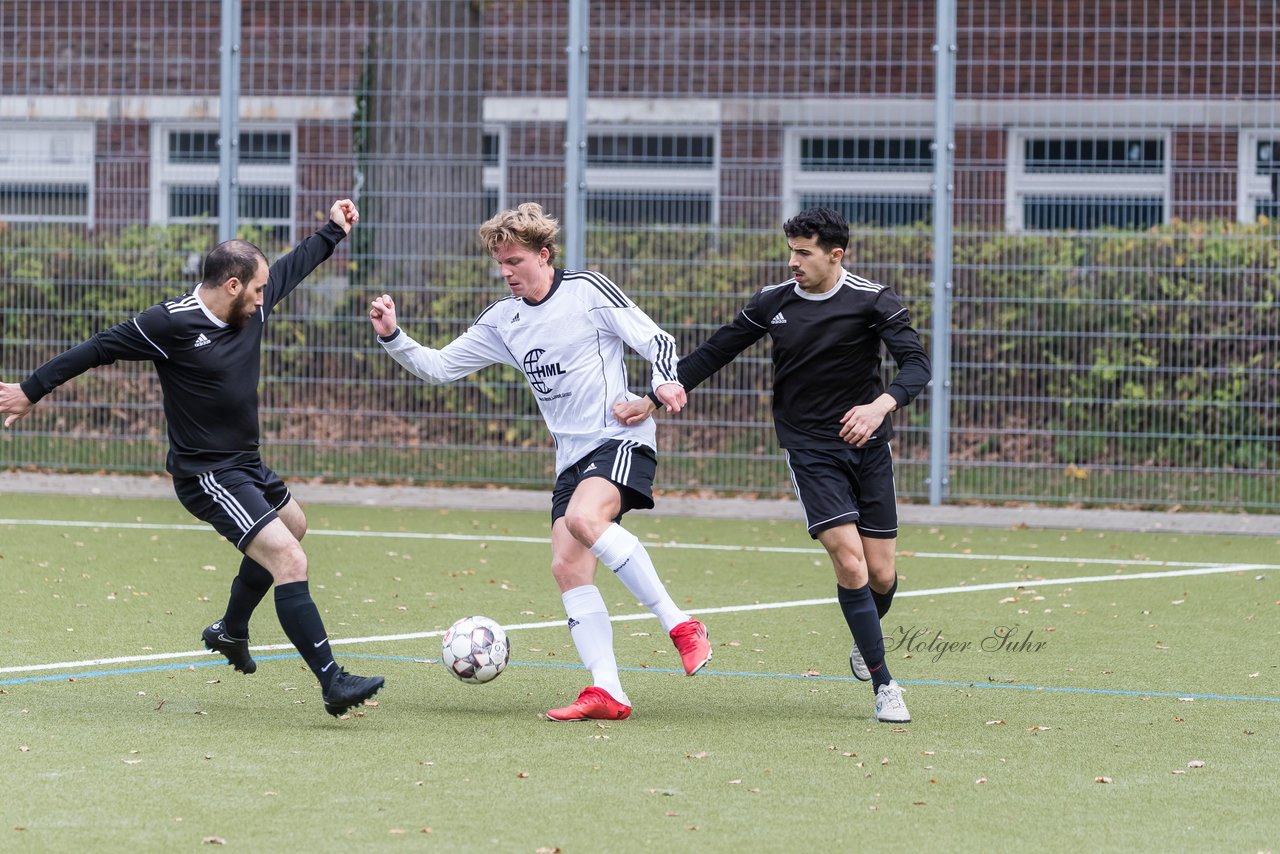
(208, 369)
(826, 355)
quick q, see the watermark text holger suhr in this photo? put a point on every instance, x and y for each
(928, 641)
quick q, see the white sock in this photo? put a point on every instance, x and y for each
(592, 634)
(621, 551)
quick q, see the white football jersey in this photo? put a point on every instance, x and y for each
(569, 347)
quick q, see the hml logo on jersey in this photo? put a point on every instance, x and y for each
(538, 373)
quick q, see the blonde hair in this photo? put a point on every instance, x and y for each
(526, 225)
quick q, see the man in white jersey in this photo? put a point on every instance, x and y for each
(566, 331)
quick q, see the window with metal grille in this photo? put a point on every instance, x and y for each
(46, 172)
(184, 185)
(874, 179)
(1083, 182)
(639, 178)
(493, 158)
(1259, 178)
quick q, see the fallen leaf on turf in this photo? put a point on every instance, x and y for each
(884, 761)
(522, 775)
(980, 780)
(672, 813)
(1102, 779)
(213, 840)
(1195, 763)
(396, 830)
(702, 754)
(811, 673)
(917, 803)
(24, 749)
(547, 851)
(995, 723)
(132, 761)
(1038, 728)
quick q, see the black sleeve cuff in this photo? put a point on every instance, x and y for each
(33, 389)
(654, 398)
(393, 336)
(333, 232)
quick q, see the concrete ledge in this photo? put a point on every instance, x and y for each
(465, 498)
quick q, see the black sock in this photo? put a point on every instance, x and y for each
(860, 613)
(301, 621)
(247, 590)
(884, 600)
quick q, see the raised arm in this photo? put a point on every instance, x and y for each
(288, 272)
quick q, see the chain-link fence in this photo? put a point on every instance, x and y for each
(1113, 335)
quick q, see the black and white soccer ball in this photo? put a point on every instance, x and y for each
(475, 650)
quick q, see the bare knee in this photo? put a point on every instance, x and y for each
(291, 566)
(569, 574)
(585, 527)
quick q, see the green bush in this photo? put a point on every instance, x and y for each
(1110, 349)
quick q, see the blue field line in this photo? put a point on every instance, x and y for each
(740, 674)
(1114, 692)
(67, 677)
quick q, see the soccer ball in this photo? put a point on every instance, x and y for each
(475, 650)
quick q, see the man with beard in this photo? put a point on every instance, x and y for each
(207, 348)
(831, 411)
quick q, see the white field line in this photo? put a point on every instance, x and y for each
(499, 538)
(761, 606)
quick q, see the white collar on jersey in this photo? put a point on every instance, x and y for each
(219, 322)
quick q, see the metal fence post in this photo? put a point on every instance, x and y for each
(943, 238)
(575, 138)
(229, 120)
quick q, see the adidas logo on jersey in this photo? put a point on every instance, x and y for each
(516, 318)
(202, 341)
(591, 467)
(777, 318)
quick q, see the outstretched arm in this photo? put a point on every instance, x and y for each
(474, 349)
(125, 341)
(288, 272)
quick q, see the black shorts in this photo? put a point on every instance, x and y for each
(628, 465)
(839, 486)
(236, 501)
